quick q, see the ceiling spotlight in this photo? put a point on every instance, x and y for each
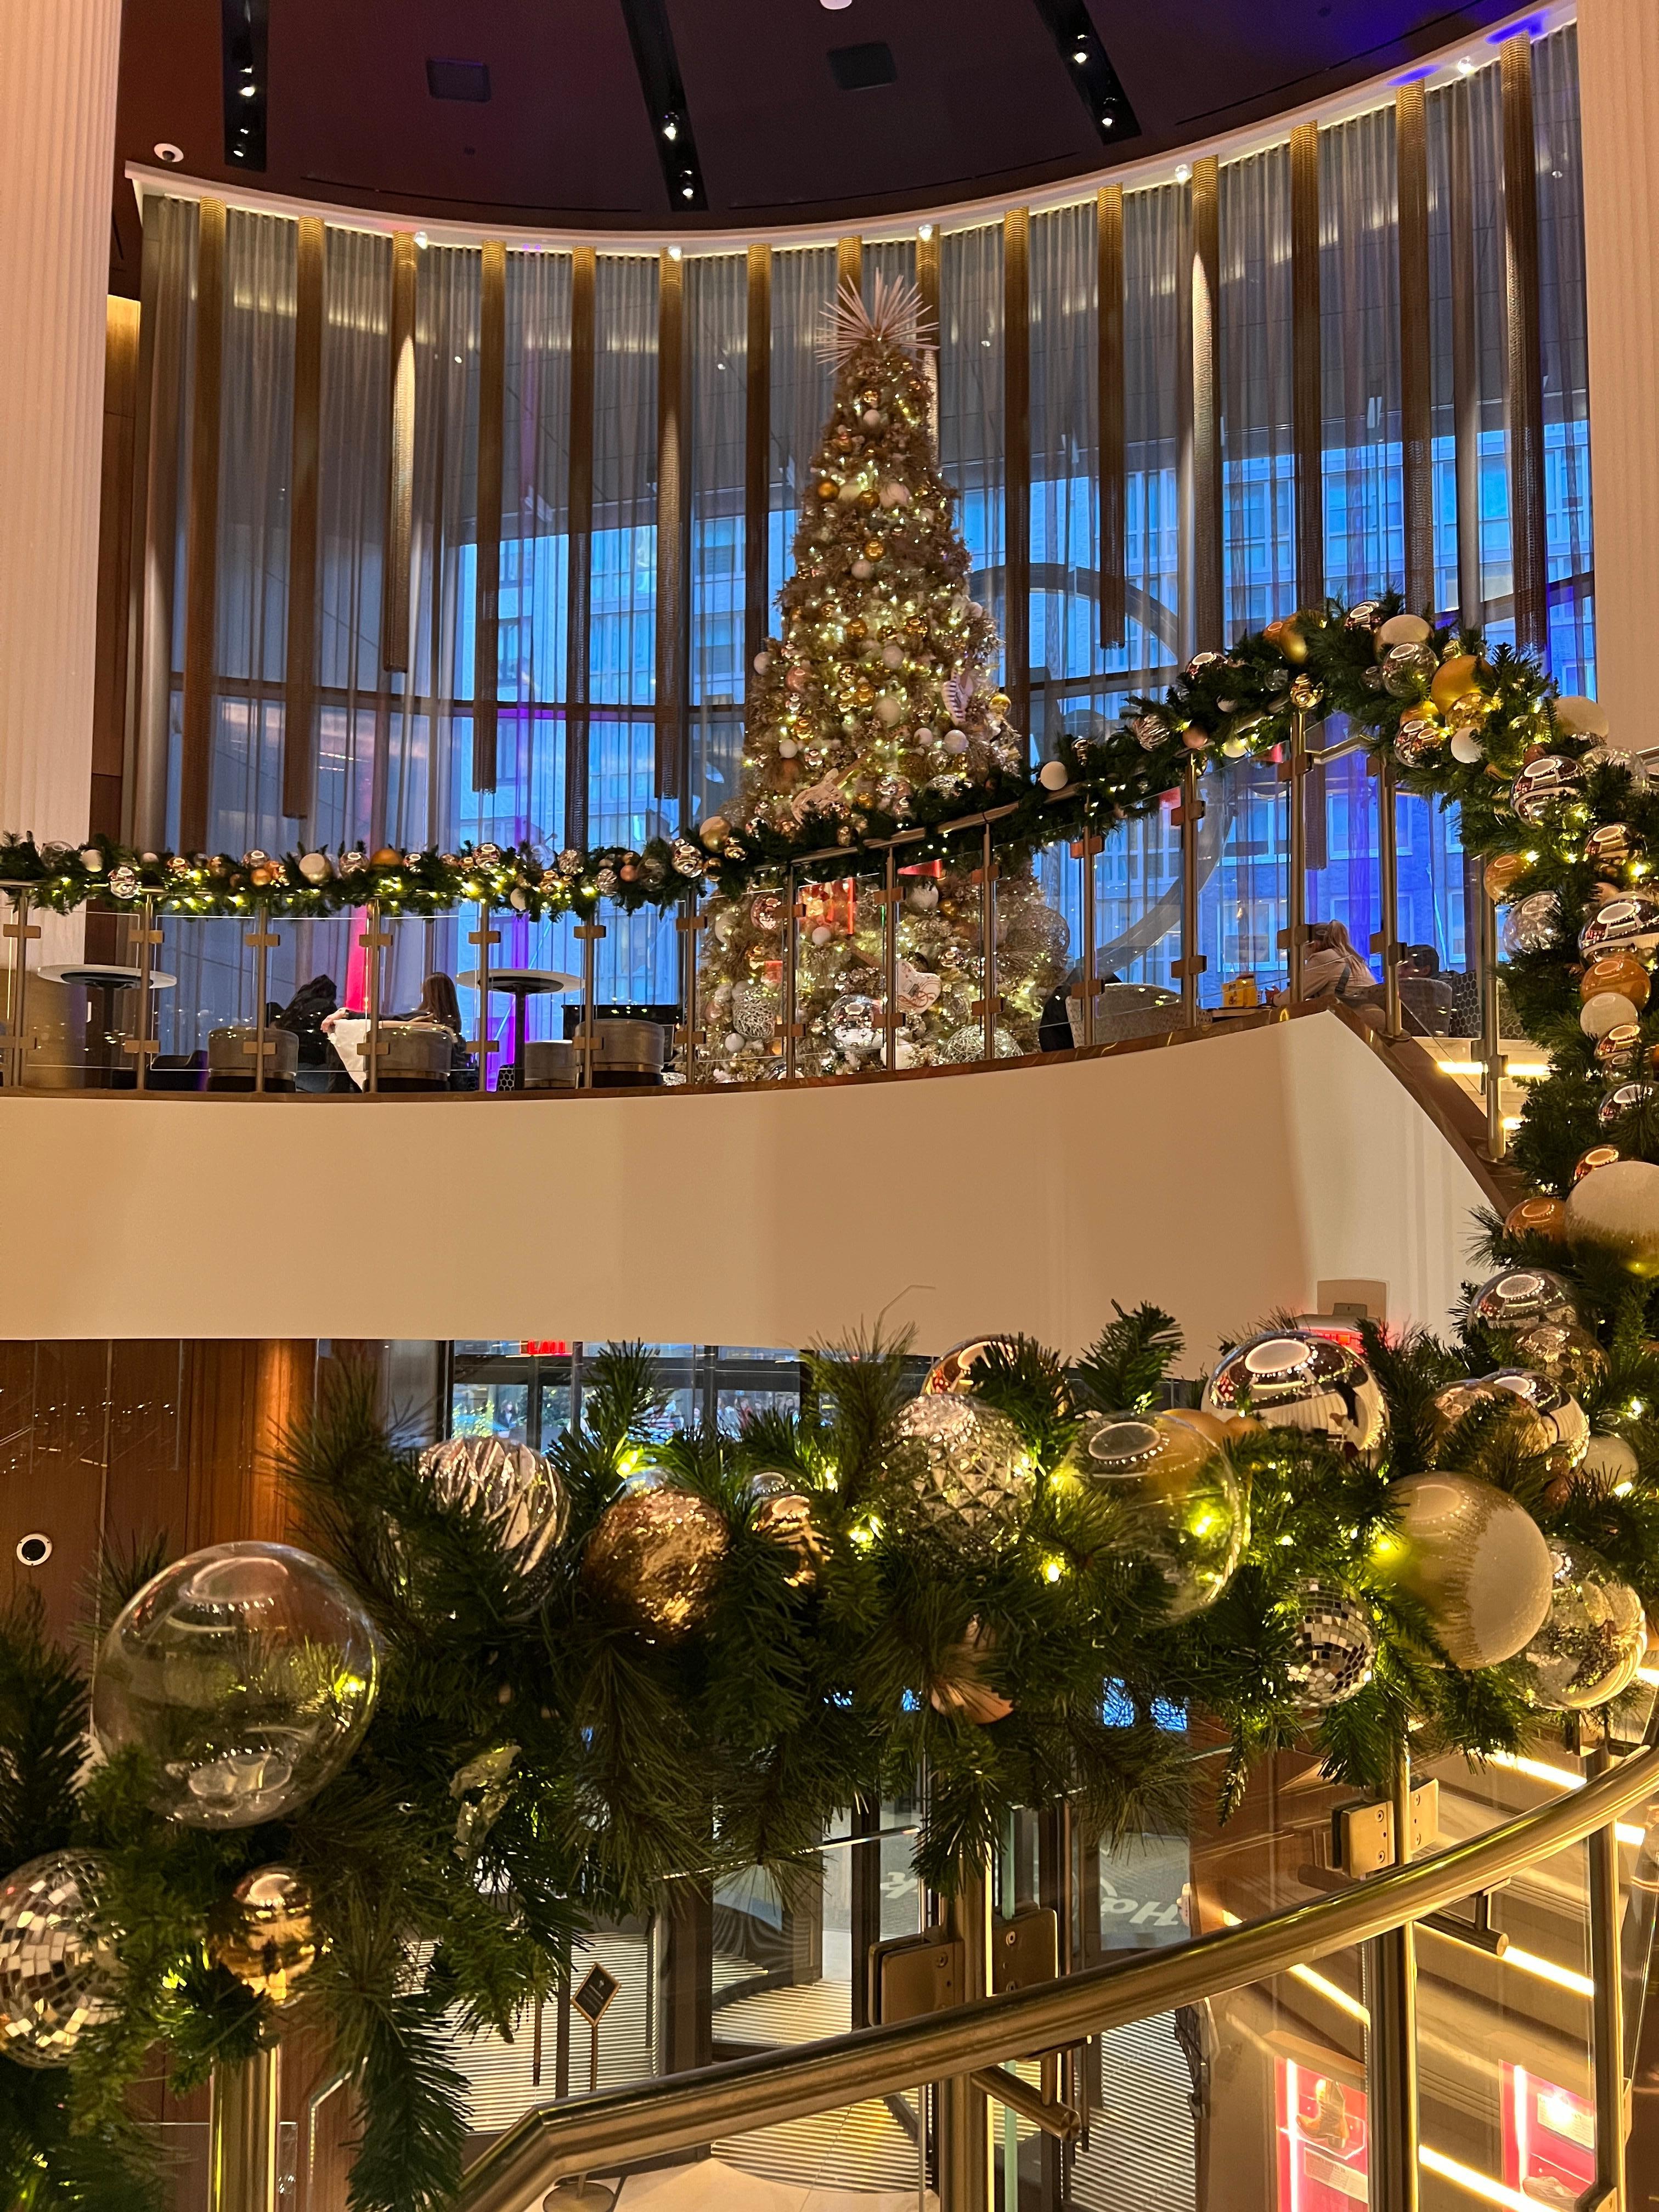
(168, 152)
(674, 255)
(670, 130)
(835, 6)
(1184, 174)
(421, 239)
(1080, 56)
(924, 230)
(687, 192)
(1466, 67)
(1108, 121)
(250, 91)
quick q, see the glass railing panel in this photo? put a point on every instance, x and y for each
(1242, 853)
(1341, 853)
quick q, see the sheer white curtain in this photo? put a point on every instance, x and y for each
(1065, 520)
(803, 286)
(717, 330)
(1156, 250)
(1359, 315)
(170, 229)
(1566, 380)
(970, 441)
(1257, 451)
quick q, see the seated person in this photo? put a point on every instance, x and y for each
(441, 1008)
(1426, 996)
(1331, 968)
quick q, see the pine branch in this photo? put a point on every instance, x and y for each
(1124, 1368)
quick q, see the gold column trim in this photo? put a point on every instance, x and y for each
(849, 263)
(757, 457)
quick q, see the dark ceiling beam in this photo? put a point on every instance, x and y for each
(659, 70)
(242, 38)
(1089, 66)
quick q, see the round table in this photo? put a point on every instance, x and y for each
(521, 985)
(106, 978)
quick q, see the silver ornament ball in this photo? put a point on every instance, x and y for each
(1295, 1380)
(1594, 1638)
(1332, 1646)
(1183, 1506)
(517, 1494)
(960, 1473)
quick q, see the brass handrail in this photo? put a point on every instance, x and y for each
(594, 2134)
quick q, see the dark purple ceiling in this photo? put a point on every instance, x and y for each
(982, 99)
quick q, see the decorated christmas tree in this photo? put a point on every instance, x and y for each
(876, 708)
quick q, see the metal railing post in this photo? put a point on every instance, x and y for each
(1390, 1984)
(890, 958)
(243, 2135)
(483, 937)
(690, 925)
(792, 920)
(1491, 1040)
(1387, 939)
(964, 2144)
(18, 931)
(1606, 2006)
(989, 1004)
(144, 1046)
(264, 1045)
(372, 940)
(1191, 964)
(1293, 772)
(1085, 848)
(588, 934)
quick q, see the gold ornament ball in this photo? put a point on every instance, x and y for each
(656, 1555)
(873, 549)
(386, 856)
(960, 1686)
(1001, 702)
(783, 1515)
(1538, 1216)
(1475, 1560)
(1453, 679)
(273, 1942)
(827, 488)
(866, 500)
(953, 1374)
(1594, 1638)
(1182, 1504)
(1599, 1156)
(1617, 1210)
(1502, 872)
(1622, 973)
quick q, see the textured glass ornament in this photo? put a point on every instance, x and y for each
(272, 1942)
(954, 1371)
(783, 1515)
(967, 1043)
(1333, 1645)
(57, 1974)
(1545, 784)
(1594, 1638)
(959, 1472)
(1294, 1380)
(754, 1012)
(1622, 925)
(1532, 924)
(656, 1554)
(247, 1673)
(1515, 1297)
(1185, 1507)
(518, 1494)
(1474, 1559)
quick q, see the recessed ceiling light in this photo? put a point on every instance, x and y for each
(835, 6)
(674, 255)
(421, 239)
(1466, 67)
(1183, 173)
(670, 130)
(924, 230)
(166, 151)
(1080, 56)
(250, 91)
(687, 192)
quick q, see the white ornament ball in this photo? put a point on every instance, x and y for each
(1617, 1207)
(1609, 1464)
(822, 933)
(1053, 775)
(1608, 1010)
(890, 709)
(1405, 630)
(925, 736)
(1476, 1560)
(922, 898)
(863, 569)
(848, 494)
(892, 654)
(955, 741)
(1583, 718)
(1467, 747)
(763, 662)
(733, 1041)
(872, 418)
(316, 867)
(92, 860)
(787, 749)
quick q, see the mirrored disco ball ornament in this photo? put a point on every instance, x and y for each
(1545, 784)
(1516, 1298)
(1594, 1638)
(783, 1515)
(1474, 1559)
(1620, 925)
(272, 1942)
(1184, 1506)
(959, 1472)
(655, 1554)
(247, 1673)
(954, 1372)
(1531, 924)
(517, 1494)
(1298, 1381)
(1333, 1645)
(855, 1022)
(57, 1974)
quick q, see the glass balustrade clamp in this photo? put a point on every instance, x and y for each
(596, 2135)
